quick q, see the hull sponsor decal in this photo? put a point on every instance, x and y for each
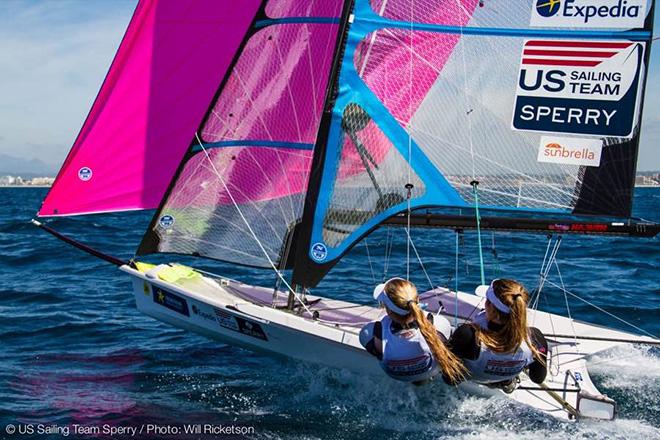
(240, 325)
(171, 301)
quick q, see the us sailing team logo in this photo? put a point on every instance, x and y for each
(613, 14)
(579, 87)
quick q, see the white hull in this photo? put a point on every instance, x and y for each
(242, 315)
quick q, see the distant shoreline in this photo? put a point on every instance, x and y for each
(25, 186)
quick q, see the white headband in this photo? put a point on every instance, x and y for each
(489, 293)
(381, 296)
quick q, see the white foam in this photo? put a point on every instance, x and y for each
(438, 411)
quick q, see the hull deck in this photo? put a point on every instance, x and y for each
(327, 333)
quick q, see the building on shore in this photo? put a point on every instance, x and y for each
(20, 181)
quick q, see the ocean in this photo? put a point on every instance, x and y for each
(77, 359)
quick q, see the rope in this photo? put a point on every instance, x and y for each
(456, 283)
(474, 184)
(240, 213)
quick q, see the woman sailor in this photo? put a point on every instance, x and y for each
(408, 344)
(498, 345)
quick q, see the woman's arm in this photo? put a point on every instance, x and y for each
(463, 342)
(371, 338)
(537, 370)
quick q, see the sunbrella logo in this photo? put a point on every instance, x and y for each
(570, 151)
(548, 8)
(620, 14)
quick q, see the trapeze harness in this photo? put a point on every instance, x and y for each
(406, 355)
(491, 367)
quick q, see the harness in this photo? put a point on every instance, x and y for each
(491, 367)
(406, 355)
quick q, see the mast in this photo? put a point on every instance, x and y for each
(303, 267)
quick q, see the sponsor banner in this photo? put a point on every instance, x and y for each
(238, 324)
(171, 301)
(198, 311)
(579, 87)
(572, 151)
(612, 14)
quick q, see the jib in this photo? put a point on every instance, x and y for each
(621, 9)
(551, 80)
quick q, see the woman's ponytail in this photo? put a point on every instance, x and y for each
(514, 324)
(404, 295)
(450, 364)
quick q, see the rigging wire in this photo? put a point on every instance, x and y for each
(421, 263)
(496, 261)
(568, 309)
(603, 310)
(409, 185)
(371, 266)
(254, 235)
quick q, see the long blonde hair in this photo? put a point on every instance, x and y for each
(514, 324)
(404, 295)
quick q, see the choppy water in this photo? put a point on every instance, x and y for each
(74, 350)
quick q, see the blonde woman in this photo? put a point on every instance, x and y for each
(498, 345)
(408, 345)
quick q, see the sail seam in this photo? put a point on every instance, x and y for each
(296, 20)
(255, 143)
(506, 32)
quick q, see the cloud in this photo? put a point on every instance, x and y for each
(54, 58)
(55, 55)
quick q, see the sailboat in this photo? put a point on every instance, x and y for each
(277, 134)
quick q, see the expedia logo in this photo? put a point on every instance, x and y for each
(548, 8)
(624, 14)
(197, 311)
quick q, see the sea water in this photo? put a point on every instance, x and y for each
(76, 355)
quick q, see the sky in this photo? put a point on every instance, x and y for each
(54, 55)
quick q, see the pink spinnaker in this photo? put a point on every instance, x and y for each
(167, 70)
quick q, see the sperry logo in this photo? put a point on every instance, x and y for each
(589, 13)
(571, 151)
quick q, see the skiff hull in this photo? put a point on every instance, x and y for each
(243, 315)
